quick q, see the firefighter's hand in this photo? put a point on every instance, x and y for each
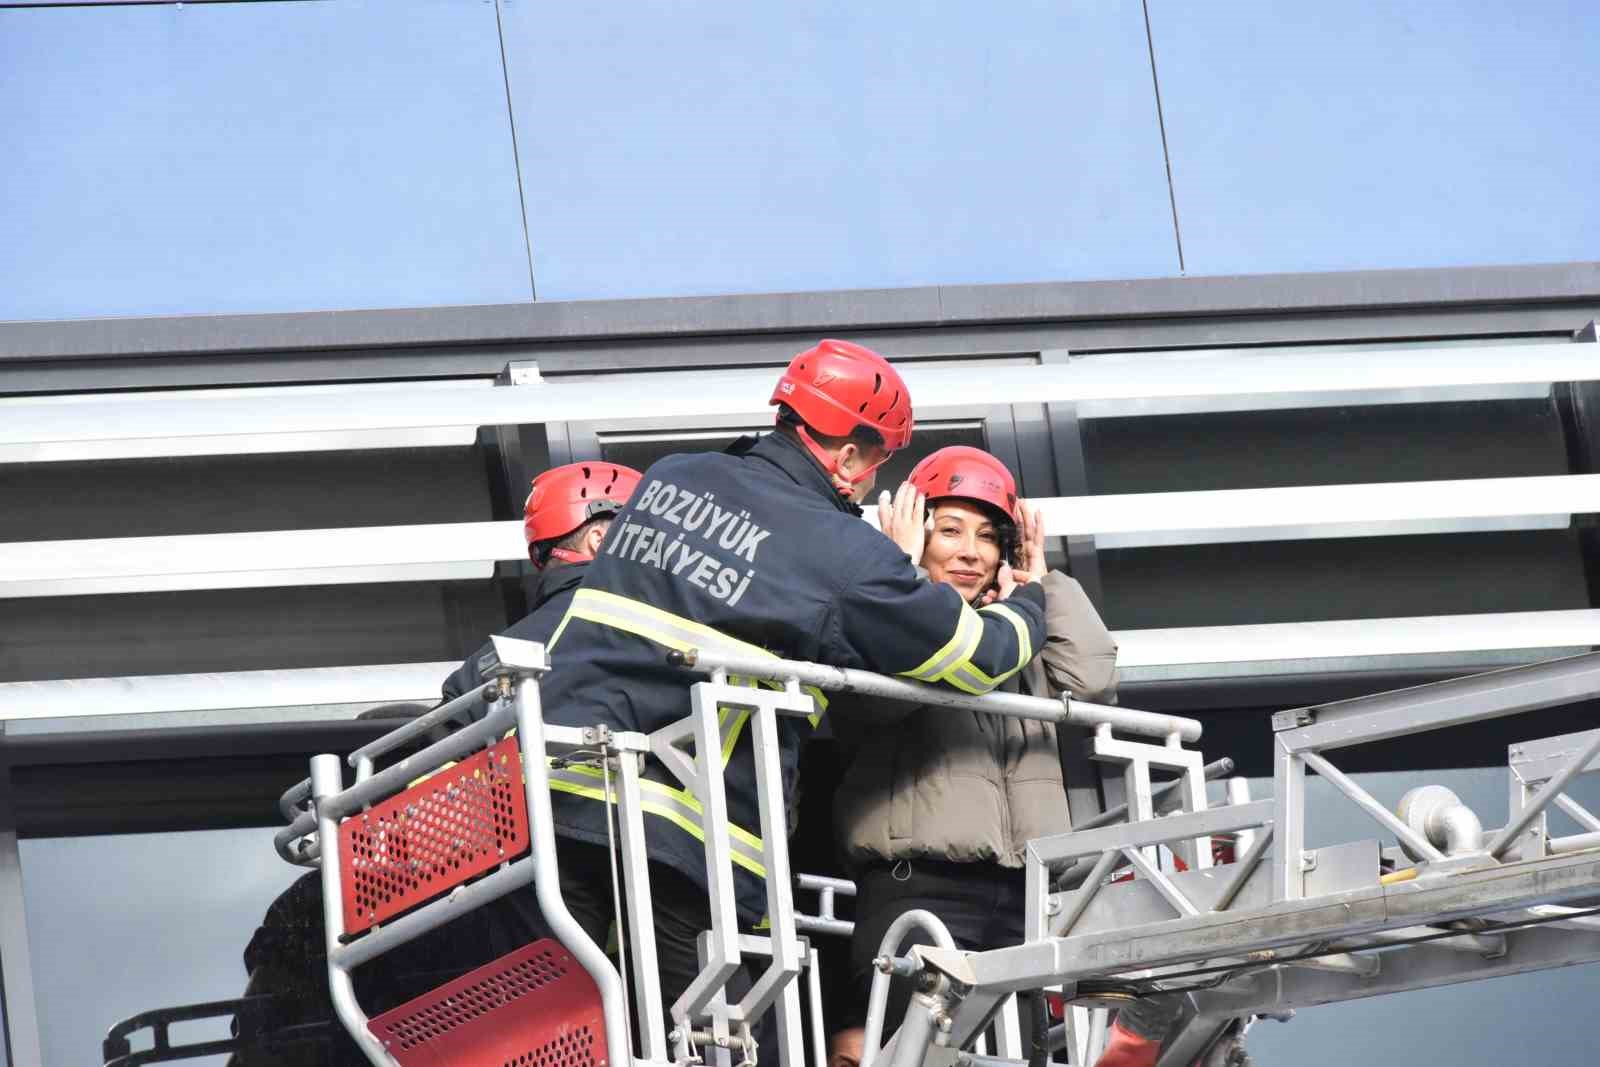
(1030, 539)
(905, 520)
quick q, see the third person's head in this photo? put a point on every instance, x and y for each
(972, 517)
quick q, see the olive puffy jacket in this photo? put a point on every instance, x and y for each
(964, 786)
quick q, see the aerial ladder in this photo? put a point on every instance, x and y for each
(1227, 913)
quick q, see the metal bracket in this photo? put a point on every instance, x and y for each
(1294, 717)
(525, 372)
(510, 657)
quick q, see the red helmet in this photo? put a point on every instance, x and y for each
(836, 386)
(564, 498)
(968, 474)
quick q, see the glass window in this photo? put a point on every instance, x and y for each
(204, 158)
(641, 450)
(121, 925)
(673, 148)
(1309, 137)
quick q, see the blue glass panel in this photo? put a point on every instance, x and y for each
(671, 148)
(1375, 134)
(255, 157)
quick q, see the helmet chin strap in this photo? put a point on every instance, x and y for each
(565, 555)
(830, 463)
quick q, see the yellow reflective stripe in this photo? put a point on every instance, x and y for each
(958, 652)
(1024, 642)
(960, 678)
(561, 628)
(671, 630)
(665, 628)
(681, 796)
(730, 732)
(969, 677)
(677, 807)
(930, 668)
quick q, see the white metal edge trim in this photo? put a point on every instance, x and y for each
(1322, 505)
(741, 393)
(356, 546)
(452, 551)
(371, 683)
(1288, 512)
(1358, 637)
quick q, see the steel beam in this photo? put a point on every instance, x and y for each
(1441, 704)
(1423, 902)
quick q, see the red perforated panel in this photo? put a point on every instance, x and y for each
(534, 1007)
(463, 821)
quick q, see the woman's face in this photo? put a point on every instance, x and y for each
(963, 548)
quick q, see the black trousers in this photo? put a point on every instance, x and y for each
(286, 956)
(680, 907)
(980, 903)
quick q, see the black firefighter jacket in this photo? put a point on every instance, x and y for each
(751, 550)
(552, 596)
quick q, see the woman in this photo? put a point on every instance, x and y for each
(936, 805)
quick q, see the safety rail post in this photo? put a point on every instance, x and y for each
(722, 956)
(1289, 822)
(640, 907)
(1137, 758)
(327, 780)
(541, 825)
(778, 982)
(711, 701)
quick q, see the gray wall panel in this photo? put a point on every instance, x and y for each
(1373, 134)
(673, 148)
(184, 159)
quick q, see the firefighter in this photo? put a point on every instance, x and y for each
(758, 550)
(564, 520)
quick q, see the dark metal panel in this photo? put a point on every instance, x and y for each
(1578, 404)
(242, 493)
(857, 311)
(198, 631)
(133, 781)
(1349, 578)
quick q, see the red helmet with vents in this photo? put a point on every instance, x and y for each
(836, 386)
(969, 474)
(564, 498)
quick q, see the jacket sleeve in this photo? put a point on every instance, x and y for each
(890, 621)
(1080, 655)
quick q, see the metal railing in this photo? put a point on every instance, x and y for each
(1275, 906)
(704, 1022)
